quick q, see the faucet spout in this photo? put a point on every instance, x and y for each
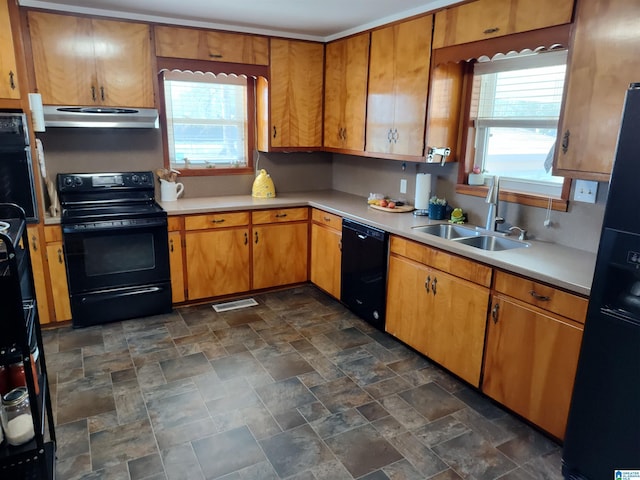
(493, 199)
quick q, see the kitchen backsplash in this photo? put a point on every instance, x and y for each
(97, 150)
(578, 228)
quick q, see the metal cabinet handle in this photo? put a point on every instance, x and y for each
(274, 131)
(12, 82)
(395, 136)
(34, 242)
(433, 285)
(390, 135)
(60, 260)
(427, 282)
(93, 93)
(326, 219)
(491, 30)
(565, 141)
(220, 220)
(246, 238)
(494, 312)
(171, 245)
(102, 93)
(537, 296)
(215, 55)
(281, 215)
(256, 237)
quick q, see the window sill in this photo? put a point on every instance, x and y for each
(210, 172)
(529, 199)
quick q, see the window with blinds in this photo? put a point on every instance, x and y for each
(207, 124)
(515, 107)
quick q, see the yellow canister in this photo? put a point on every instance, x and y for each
(263, 186)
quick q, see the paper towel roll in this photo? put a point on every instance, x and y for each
(423, 191)
(37, 112)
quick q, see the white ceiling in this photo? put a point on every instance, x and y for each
(322, 20)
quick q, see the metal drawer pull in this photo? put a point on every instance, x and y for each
(102, 93)
(565, 141)
(60, 256)
(433, 285)
(494, 312)
(34, 243)
(274, 131)
(93, 93)
(171, 245)
(215, 55)
(281, 215)
(256, 237)
(12, 82)
(221, 220)
(427, 282)
(537, 296)
(246, 238)
(326, 219)
(491, 30)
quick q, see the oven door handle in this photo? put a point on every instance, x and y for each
(77, 228)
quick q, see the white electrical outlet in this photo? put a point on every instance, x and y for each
(585, 191)
(403, 185)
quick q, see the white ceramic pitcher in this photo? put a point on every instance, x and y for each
(170, 191)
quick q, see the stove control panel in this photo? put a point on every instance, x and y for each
(87, 182)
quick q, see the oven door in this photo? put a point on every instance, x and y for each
(114, 254)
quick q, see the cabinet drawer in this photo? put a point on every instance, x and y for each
(174, 223)
(280, 215)
(328, 219)
(446, 262)
(216, 220)
(211, 45)
(540, 295)
(52, 234)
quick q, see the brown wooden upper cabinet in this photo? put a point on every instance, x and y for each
(210, 45)
(484, 19)
(83, 61)
(603, 61)
(398, 86)
(8, 70)
(345, 92)
(290, 104)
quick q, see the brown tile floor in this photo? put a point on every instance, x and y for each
(294, 388)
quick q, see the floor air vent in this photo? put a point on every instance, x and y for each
(236, 304)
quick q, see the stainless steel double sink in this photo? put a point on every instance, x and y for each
(472, 236)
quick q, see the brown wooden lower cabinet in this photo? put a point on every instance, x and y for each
(176, 267)
(326, 255)
(438, 314)
(217, 262)
(279, 254)
(530, 362)
(58, 277)
(37, 253)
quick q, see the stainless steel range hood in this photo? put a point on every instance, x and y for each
(100, 117)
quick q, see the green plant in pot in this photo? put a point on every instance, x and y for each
(437, 208)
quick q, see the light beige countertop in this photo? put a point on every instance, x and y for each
(561, 266)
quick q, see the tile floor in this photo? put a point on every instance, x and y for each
(296, 387)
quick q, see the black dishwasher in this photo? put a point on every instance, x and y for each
(364, 271)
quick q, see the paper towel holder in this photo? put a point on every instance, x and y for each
(443, 152)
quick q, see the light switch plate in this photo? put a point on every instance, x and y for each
(403, 185)
(585, 191)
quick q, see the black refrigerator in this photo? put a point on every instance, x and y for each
(602, 440)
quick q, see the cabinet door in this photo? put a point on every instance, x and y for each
(530, 363)
(484, 19)
(37, 266)
(63, 58)
(295, 91)
(217, 262)
(456, 325)
(209, 45)
(398, 86)
(279, 254)
(58, 277)
(603, 62)
(345, 97)
(123, 63)
(8, 71)
(326, 258)
(409, 301)
(176, 267)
